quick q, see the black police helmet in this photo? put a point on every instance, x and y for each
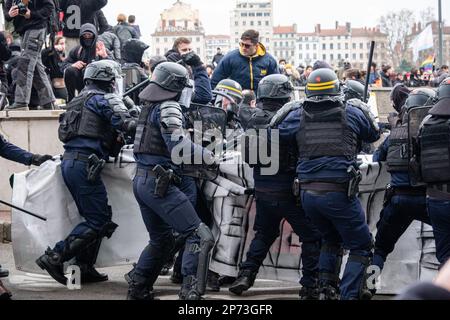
(230, 88)
(444, 89)
(420, 98)
(354, 90)
(171, 76)
(321, 83)
(275, 86)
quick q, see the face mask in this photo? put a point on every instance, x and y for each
(88, 42)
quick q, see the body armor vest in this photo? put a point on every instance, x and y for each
(149, 139)
(79, 121)
(398, 155)
(288, 154)
(324, 132)
(435, 151)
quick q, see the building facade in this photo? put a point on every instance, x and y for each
(256, 15)
(216, 41)
(181, 20)
(284, 43)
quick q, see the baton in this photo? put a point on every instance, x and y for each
(23, 210)
(366, 87)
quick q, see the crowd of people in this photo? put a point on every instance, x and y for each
(320, 139)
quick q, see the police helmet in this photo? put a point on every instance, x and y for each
(322, 83)
(171, 77)
(420, 98)
(230, 88)
(104, 70)
(354, 90)
(275, 86)
(444, 89)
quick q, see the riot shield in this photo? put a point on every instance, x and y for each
(415, 118)
(207, 125)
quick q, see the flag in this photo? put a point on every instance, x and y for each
(423, 41)
(428, 64)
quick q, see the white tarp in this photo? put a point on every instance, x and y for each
(43, 191)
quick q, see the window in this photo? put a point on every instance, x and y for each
(300, 46)
(197, 39)
(165, 40)
(314, 46)
(198, 51)
(252, 23)
(236, 23)
(266, 14)
(158, 51)
(346, 46)
(339, 56)
(287, 43)
(315, 56)
(259, 14)
(157, 40)
(324, 57)
(354, 47)
(368, 45)
(307, 46)
(267, 23)
(354, 56)
(301, 56)
(361, 45)
(331, 57)
(244, 23)
(346, 56)
(324, 47)
(243, 14)
(260, 23)
(361, 56)
(331, 46)
(339, 46)
(251, 14)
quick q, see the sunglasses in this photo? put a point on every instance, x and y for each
(246, 45)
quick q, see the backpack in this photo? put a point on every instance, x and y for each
(123, 33)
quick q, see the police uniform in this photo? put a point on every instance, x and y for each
(404, 202)
(16, 154)
(172, 209)
(275, 200)
(89, 132)
(329, 134)
(434, 146)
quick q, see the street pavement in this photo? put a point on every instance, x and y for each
(25, 286)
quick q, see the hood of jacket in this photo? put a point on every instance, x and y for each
(260, 51)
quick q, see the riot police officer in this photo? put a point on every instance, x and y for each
(404, 202)
(354, 90)
(16, 154)
(275, 199)
(166, 199)
(90, 132)
(229, 98)
(434, 159)
(329, 134)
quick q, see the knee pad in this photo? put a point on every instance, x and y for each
(206, 244)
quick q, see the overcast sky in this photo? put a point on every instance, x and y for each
(215, 14)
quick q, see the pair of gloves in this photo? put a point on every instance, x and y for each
(191, 59)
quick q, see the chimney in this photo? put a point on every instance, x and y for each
(420, 26)
(318, 29)
(348, 26)
(337, 25)
(414, 30)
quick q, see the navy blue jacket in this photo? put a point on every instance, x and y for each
(202, 88)
(247, 71)
(99, 105)
(327, 169)
(14, 153)
(398, 179)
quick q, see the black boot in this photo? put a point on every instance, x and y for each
(139, 287)
(86, 262)
(245, 280)
(3, 273)
(309, 293)
(53, 262)
(328, 292)
(213, 283)
(189, 289)
(5, 294)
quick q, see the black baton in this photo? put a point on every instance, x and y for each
(23, 210)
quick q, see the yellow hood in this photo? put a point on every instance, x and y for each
(260, 51)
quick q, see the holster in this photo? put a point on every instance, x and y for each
(95, 167)
(353, 184)
(390, 192)
(163, 180)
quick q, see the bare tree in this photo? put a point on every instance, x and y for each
(397, 25)
(428, 15)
